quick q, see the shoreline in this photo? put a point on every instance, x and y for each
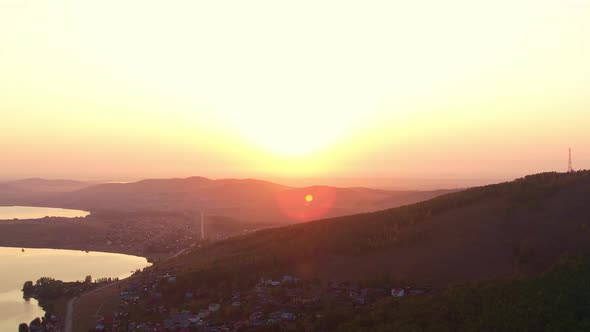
(151, 259)
(60, 306)
(153, 236)
(79, 214)
(127, 253)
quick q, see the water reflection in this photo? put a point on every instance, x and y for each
(34, 212)
(68, 265)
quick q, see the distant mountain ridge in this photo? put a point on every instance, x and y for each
(39, 184)
(248, 200)
(34, 191)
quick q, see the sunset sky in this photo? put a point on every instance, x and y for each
(132, 89)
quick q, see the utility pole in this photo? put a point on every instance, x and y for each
(570, 168)
(202, 225)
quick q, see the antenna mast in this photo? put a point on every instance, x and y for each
(570, 169)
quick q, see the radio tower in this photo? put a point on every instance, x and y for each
(570, 169)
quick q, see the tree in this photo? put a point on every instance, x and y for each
(28, 289)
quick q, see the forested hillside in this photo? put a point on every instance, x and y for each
(481, 233)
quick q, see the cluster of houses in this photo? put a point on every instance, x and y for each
(160, 235)
(155, 234)
(209, 318)
(271, 302)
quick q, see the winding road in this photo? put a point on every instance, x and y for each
(70, 315)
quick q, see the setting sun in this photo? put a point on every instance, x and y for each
(309, 198)
(291, 89)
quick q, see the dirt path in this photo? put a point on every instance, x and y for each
(194, 244)
(70, 315)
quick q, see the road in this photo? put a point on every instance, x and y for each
(70, 306)
(183, 250)
(70, 315)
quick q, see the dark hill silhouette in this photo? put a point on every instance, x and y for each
(488, 232)
(193, 193)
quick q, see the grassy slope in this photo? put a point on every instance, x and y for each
(92, 305)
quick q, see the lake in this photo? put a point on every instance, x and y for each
(34, 212)
(67, 265)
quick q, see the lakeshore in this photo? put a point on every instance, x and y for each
(67, 265)
(38, 212)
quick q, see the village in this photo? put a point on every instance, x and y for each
(155, 300)
(154, 235)
(148, 236)
(272, 304)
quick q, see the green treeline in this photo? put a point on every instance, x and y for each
(557, 301)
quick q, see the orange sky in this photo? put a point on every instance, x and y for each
(460, 88)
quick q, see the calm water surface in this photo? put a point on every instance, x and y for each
(17, 266)
(34, 212)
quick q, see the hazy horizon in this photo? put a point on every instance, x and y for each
(460, 89)
(390, 183)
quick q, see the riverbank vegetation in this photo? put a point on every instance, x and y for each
(53, 294)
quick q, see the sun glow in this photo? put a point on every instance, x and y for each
(262, 87)
(317, 202)
(297, 130)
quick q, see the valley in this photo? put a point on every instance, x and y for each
(159, 218)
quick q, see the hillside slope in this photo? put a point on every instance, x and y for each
(246, 200)
(482, 233)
